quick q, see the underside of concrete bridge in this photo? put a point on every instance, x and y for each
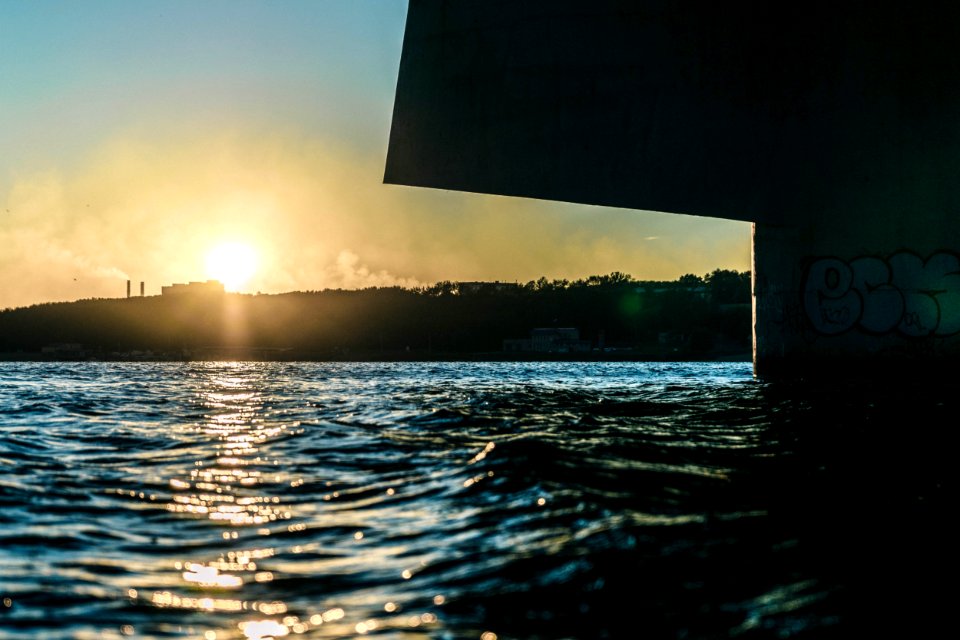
(833, 127)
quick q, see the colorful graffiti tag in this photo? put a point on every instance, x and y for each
(902, 293)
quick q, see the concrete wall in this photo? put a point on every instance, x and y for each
(841, 296)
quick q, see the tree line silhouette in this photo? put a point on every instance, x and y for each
(615, 314)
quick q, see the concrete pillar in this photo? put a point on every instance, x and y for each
(847, 296)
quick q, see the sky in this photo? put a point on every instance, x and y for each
(137, 139)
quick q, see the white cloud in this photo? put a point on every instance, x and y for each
(348, 273)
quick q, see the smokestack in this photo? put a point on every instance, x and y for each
(141, 288)
(128, 288)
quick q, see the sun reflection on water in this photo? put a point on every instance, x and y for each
(236, 485)
(240, 484)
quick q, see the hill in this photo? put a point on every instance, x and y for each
(600, 316)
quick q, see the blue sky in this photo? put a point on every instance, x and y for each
(136, 136)
(73, 72)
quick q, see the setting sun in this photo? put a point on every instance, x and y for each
(232, 263)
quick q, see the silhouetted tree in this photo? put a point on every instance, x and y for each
(728, 287)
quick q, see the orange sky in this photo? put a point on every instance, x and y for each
(138, 136)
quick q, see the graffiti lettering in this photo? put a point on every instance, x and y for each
(901, 293)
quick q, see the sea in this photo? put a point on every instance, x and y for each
(472, 500)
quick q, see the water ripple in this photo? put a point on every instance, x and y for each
(450, 500)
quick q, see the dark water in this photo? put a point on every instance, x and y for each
(466, 500)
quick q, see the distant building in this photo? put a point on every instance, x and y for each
(63, 349)
(210, 287)
(545, 340)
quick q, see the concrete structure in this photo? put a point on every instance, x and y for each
(210, 287)
(831, 126)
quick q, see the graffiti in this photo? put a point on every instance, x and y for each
(902, 293)
(778, 305)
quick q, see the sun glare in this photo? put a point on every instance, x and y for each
(232, 263)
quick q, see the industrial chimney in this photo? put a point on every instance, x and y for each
(128, 288)
(141, 288)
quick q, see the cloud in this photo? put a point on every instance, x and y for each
(348, 273)
(39, 259)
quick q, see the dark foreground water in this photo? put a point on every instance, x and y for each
(469, 500)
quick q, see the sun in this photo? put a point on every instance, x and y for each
(232, 263)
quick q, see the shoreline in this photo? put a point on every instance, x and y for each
(272, 355)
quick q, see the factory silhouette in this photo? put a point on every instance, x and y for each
(190, 288)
